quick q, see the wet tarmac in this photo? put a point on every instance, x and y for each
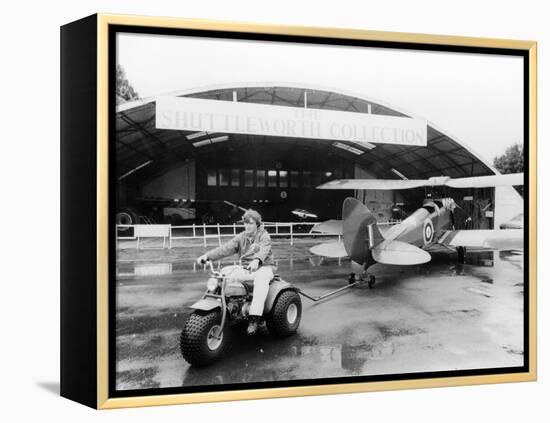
(433, 317)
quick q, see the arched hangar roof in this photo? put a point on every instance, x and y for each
(143, 151)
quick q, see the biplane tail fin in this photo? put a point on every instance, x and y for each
(360, 230)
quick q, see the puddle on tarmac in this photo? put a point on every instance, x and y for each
(298, 263)
(290, 359)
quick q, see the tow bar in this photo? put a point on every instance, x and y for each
(370, 281)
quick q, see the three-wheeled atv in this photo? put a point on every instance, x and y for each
(227, 302)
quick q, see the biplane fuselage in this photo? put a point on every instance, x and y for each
(425, 225)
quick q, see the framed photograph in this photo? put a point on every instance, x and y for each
(256, 211)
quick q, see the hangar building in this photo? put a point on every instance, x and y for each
(199, 174)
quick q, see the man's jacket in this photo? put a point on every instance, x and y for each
(257, 246)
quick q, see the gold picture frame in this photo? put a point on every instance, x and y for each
(92, 387)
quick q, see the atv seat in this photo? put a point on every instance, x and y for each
(250, 284)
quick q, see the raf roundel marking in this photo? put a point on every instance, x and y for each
(428, 231)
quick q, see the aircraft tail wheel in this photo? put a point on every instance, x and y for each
(371, 281)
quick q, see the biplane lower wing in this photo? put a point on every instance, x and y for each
(510, 239)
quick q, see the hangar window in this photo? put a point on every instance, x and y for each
(306, 179)
(248, 178)
(294, 179)
(271, 178)
(260, 178)
(283, 178)
(212, 180)
(224, 177)
(235, 177)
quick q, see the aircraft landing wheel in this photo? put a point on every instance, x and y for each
(371, 281)
(351, 278)
(461, 254)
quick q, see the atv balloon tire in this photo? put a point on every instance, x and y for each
(285, 316)
(197, 348)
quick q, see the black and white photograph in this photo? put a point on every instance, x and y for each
(295, 212)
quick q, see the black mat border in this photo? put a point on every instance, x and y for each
(113, 30)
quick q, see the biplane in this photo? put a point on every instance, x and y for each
(409, 242)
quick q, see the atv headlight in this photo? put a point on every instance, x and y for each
(212, 284)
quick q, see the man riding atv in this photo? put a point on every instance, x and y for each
(253, 247)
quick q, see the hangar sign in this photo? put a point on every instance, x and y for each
(192, 114)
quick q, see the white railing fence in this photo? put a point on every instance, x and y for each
(290, 230)
(169, 233)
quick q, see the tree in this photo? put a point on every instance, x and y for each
(511, 162)
(124, 90)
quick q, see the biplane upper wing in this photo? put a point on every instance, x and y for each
(510, 239)
(383, 184)
(396, 184)
(510, 179)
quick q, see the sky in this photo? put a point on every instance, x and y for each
(474, 98)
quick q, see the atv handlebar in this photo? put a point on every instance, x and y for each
(209, 263)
